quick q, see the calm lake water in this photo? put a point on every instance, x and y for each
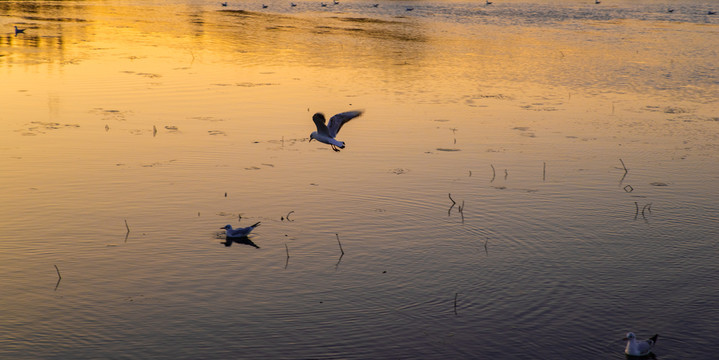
(131, 131)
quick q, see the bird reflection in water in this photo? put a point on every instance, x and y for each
(241, 240)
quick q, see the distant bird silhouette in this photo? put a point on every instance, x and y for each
(323, 4)
(639, 347)
(670, 10)
(375, 5)
(711, 12)
(239, 232)
(597, 2)
(409, 9)
(336, 2)
(293, 4)
(488, 2)
(224, 3)
(19, 31)
(264, 6)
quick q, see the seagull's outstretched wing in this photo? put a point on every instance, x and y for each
(340, 119)
(319, 119)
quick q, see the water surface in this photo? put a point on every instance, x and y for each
(179, 117)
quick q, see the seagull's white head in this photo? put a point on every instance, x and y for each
(630, 336)
(313, 136)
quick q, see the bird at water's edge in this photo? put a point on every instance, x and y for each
(18, 31)
(639, 347)
(326, 133)
(239, 232)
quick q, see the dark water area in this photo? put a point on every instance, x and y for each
(528, 179)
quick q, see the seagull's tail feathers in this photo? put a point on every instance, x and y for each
(654, 338)
(255, 225)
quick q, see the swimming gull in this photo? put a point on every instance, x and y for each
(639, 347)
(18, 31)
(239, 232)
(326, 133)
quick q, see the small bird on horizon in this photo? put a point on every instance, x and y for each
(18, 31)
(326, 133)
(239, 232)
(639, 347)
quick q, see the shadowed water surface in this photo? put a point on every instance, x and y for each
(178, 117)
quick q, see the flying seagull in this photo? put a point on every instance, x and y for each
(639, 347)
(239, 232)
(326, 133)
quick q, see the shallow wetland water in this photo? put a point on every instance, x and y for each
(132, 131)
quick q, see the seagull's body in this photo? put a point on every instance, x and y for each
(239, 232)
(375, 5)
(326, 133)
(224, 3)
(18, 31)
(639, 347)
(293, 4)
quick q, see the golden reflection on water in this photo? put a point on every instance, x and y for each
(153, 113)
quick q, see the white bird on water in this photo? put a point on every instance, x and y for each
(639, 347)
(326, 133)
(239, 232)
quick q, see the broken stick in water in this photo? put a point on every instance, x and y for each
(338, 241)
(127, 226)
(637, 211)
(544, 171)
(625, 168)
(494, 173)
(58, 272)
(455, 303)
(647, 206)
(453, 203)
